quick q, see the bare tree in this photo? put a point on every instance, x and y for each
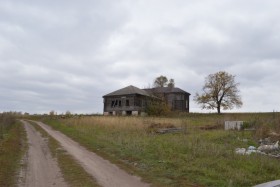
(219, 91)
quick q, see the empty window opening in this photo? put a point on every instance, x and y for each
(116, 103)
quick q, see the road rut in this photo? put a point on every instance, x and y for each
(42, 170)
(106, 173)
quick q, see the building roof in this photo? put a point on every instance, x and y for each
(129, 90)
(166, 90)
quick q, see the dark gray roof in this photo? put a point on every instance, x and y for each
(166, 90)
(129, 90)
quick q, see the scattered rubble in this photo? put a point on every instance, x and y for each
(266, 148)
(240, 151)
(243, 151)
(269, 148)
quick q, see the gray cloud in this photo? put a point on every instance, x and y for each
(64, 55)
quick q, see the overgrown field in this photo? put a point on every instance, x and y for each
(12, 147)
(203, 154)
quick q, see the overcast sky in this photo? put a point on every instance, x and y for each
(66, 54)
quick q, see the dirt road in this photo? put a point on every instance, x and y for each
(42, 170)
(106, 173)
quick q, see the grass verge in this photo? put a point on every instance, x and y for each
(12, 148)
(194, 158)
(72, 172)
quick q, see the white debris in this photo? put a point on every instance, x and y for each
(252, 148)
(248, 152)
(266, 148)
(240, 151)
(243, 151)
(269, 147)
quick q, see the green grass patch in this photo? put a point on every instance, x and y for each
(72, 172)
(12, 148)
(196, 157)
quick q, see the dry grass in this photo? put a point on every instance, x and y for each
(198, 156)
(122, 122)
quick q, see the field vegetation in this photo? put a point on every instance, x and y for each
(12, 148)
(203, 154)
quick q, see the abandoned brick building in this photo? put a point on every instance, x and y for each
(133, 101)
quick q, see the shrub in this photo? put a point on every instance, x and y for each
(157, 108)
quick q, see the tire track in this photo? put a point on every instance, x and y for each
(42, 170)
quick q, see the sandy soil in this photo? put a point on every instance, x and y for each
(42, 170)
(106, 173)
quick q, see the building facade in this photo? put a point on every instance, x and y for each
(176, 98)
(133, 101)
